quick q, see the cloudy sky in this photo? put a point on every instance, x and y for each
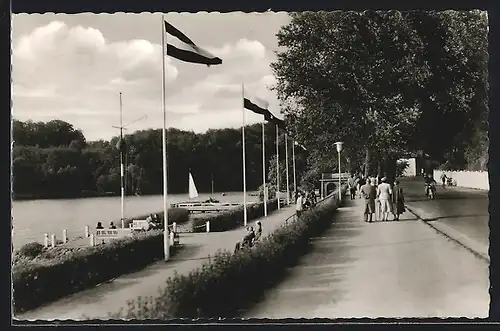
(72, 67)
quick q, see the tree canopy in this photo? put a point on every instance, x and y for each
(384, 83)
(47, 162)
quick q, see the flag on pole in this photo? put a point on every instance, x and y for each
(187, 50)
(257, 105)
(274, 120)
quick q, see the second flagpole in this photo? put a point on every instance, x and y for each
(166, 245)
(264, 168)
(244, 157)
(277, 167)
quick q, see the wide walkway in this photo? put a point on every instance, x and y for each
(382, 269)
(460, 213)
(110, 297)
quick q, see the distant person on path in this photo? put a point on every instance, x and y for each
(249, 237)
(258, 232)
(398, 199)
(429, 181)
(384, 194)
(369, 193)
(99, 226)
(299, 204)
(443, 179)
(112, 225)
(351, 182)
(361, 182)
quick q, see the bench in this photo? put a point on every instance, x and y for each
(113, 234)
(139, 225)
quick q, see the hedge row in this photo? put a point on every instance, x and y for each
(41, 276)
(233, 218)
(39, 281)
(230, 282)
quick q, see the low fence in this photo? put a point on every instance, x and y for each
(470, 179)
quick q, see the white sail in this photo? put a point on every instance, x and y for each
(193, 192)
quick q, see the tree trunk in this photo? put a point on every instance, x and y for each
(390, 169)
(368, 161)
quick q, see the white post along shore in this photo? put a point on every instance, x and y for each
(166, 245)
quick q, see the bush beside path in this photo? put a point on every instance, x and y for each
(110, 297)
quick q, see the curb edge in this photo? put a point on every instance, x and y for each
(480, 255)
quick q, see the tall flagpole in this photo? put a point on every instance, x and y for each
(166, 246)
(244, 158)
(294, 172)
(277, 168)
(286, 165)
(264, 169)
(122, 171)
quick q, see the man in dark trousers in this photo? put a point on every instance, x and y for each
(351, 182)
(369, 193)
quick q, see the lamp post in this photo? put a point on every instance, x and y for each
(339, 146)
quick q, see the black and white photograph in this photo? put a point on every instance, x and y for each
(265, 165)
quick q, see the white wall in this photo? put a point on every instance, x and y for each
(412, 167)
(470, 179)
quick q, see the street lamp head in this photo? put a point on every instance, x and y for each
(339, 146)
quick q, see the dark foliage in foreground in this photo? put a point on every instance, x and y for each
(43, 275)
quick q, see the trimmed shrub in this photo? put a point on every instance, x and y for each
(230, 219)
(40, 280)
(229, 282)
(31, 250)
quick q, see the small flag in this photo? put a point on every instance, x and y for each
(188, 51)
(257, 105)
(273, 119)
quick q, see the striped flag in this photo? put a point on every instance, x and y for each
(257, 105)
(274, 120)
(187, 50)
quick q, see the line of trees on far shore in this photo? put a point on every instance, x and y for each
(54, 160)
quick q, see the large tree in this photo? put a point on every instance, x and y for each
(353, 77)
(455, 95)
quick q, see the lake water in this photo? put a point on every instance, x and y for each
(33, 218)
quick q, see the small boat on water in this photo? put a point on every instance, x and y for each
(210, 204)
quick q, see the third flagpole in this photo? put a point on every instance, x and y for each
(294, 171)
(264, 168)
(166, 245)
(286, 165)
(122, 170)
(277, 167)
(244, 158)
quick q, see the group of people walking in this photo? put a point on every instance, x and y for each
(389, 198)
(304, 200)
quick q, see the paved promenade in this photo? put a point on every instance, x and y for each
(109, 297)
(382, 269)
(459, 213)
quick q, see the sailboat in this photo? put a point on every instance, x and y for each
(193, 191)
(207, 205)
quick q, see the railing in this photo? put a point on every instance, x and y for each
(294, 216)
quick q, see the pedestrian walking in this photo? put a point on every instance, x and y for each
(443, 179)
(384, 194)
(299, 204)
(398, 199)
(351, 182)
(369, 193)
(361, 182)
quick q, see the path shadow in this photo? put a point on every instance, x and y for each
(454, 216)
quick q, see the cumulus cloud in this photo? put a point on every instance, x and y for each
(74, 73)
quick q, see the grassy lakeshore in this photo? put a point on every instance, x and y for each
(35, 268)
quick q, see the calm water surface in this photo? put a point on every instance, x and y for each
(33, 218)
